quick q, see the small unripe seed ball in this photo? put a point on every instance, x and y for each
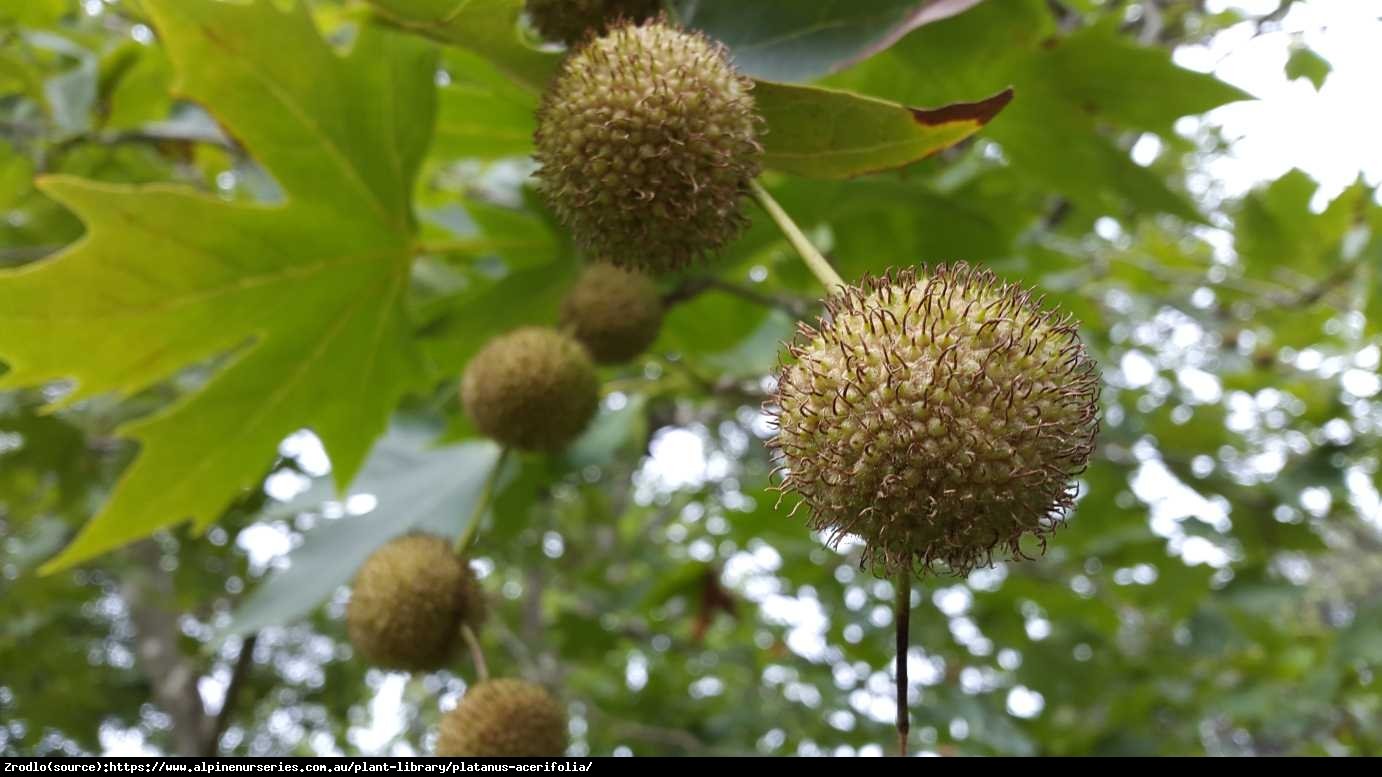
(533, 389)
(614, 312)
(936, 418)
(571, 21)
(647, 145)
(409, 601)
(504, 718)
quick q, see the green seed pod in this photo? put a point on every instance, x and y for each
(937, 419)
(571, 21)
(533, 389)
(647, 146)
(503, 718)
(615, 313)
(409, 601)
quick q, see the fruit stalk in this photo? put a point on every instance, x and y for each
(477, 655)
(816, 263)
(472, 528)
(903, 616)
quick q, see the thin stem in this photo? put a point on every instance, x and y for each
(903, 584)
(477, 655)
(472, 528)
(243, 663)
(692, 288)
(816, 263)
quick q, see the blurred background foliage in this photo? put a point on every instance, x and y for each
(1218, 589)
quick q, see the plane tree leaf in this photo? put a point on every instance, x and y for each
(789, 40)
(1069, 87)
(488, 28)
(826, 133)
(300, 301)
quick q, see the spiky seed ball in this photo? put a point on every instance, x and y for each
(570, 21)
(533, 389)
(647, 144)
(937, 418)
(614, 312)
(504, 718)
(409, 601)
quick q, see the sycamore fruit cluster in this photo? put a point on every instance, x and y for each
(572, 21)
(409, 601)
(647, 142)
(938, 417)
(504, 718)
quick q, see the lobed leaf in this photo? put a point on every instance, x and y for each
(790, 40)
(826, 133)
(301, 301)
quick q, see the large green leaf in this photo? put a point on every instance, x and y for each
(1102, 72)
(823, 133)
(1067, 87)
(415, 488)
(791, 40)
(305, 295)
(487, 27)
(482, 113)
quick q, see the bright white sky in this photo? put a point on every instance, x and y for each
(1333, 134)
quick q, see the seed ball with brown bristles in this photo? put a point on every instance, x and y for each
(504, 718)
(570, 21)
(937, 418)
(409, 601)
(533, 389)
(647, 145)
(614, 312)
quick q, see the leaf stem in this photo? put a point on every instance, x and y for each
(244, 661)
(903, 617)
(472, 529)
(477, 655)
(815, 262)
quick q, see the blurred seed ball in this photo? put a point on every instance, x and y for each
(614, 312)
(570, 21)
(534, 389)
(646, 141)
(936, 418)
(409, 601)
(504, 718)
